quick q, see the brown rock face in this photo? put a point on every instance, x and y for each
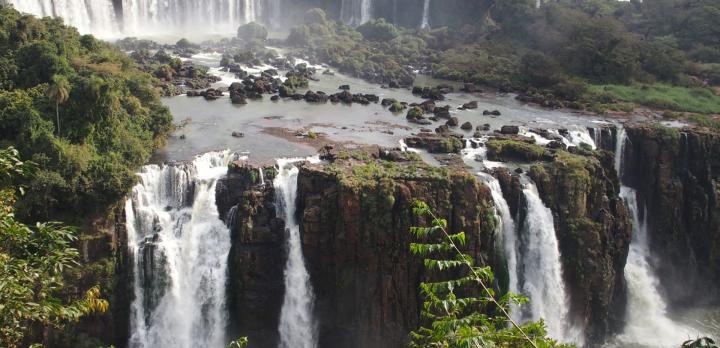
(356, 242)
(677, 175)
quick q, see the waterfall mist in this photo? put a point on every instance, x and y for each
(179, 246)
(297, 325)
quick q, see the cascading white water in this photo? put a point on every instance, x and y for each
(179, 246)
(262, 176)
(297, 325)
(646, 322)
(426, 15)
(148, 17)
(620, 140)
(507, 237)
(97, 16)
(355, 12)
(540, 276)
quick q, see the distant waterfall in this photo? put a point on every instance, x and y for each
(426, 15)
(275, 18)
(356, 12)
(96, 16)
(179, 246)
(297, 325)
(149, 17)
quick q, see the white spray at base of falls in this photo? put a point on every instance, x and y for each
(541, 277)
(297, 325)
(179, 246)
(426, 15)
(646, 319)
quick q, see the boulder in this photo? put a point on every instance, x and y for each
(344, 87)
(466, 126)
(453, 122)
(469, 106)
(510, 130)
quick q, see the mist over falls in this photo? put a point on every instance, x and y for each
(113, 19)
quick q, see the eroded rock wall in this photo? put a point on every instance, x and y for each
(677, 175)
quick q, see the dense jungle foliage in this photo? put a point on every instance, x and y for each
(595, 54)
(80, 109)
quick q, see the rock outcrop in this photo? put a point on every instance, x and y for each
(355, 223)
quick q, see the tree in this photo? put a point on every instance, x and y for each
(58, 92)
(33, 261)
(454, 310)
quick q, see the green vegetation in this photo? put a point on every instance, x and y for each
(34, 261)
(509, 150)
(78, 108)
(663, 96)
(457, 300)
(252, 31)
(581, 54)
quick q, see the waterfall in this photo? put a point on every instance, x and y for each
(426, 15)
(540, 267)
(506, 233)
(262, 176)
(297, 325)
(356, 12)
(275, 18)
(620, 140)
(179, 247)
(148, 17)
(97, 16)
(646, 322)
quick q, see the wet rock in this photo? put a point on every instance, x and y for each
(442, 112)
(238, 134)
(510, 130)
(238, 99)
(344, 87)
(453, 122)
(388, 101)
(466, 126)
(415, 113)
(275, 98)
(397, 107)
(469, 106)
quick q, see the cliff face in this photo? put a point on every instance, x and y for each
(593, 227)
(356, 238)
(593, 230)
(677, 175)
(257, 256)
(355, 234)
